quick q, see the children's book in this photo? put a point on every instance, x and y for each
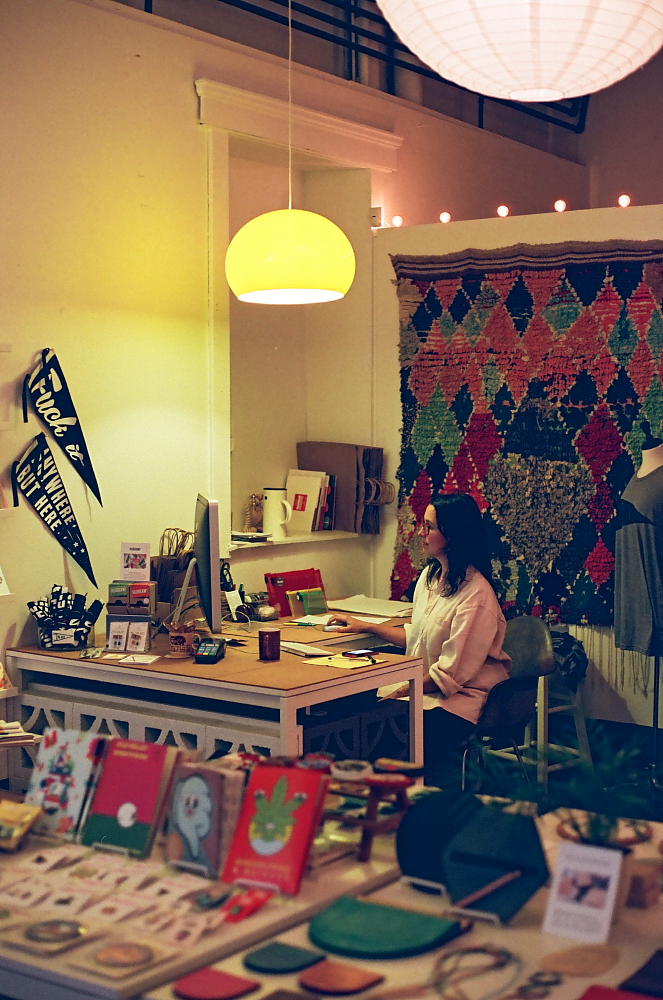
(194, 815)
(203, 811)
(280, 814)
(130, 796)
(62, 777)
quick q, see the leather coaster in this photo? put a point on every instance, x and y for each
(338, 978)
(585, 960)
(279, 957)
(359, 929)
(213, 984)
(609, 993)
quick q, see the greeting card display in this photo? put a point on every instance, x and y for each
(194, 818)
(280, 813)
(583, 894)
(128, 802)
(61, 779)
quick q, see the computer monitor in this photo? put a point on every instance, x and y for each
(207, 563)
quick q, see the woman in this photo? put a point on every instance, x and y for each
(457, 628)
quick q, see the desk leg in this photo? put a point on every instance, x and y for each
(290, 733)
(416, 695)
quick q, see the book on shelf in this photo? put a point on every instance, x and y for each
(202, 815)
(62, 778)
(303, 488)
(130, 796)
(352, 465)
(329, 518)
(280, 815)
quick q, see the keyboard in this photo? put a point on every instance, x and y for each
(301, 649)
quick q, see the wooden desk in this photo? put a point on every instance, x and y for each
(239, 701)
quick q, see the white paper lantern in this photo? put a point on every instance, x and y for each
(529, 50)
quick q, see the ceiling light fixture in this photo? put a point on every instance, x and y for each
(530, 50)
(290, 256)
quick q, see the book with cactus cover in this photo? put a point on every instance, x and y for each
(280, 814)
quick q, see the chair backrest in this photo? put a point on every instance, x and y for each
(511, 703)
(529, 644)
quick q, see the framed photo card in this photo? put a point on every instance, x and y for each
(583, 893)
(135, 561)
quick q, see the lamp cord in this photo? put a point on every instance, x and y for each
(289, 103)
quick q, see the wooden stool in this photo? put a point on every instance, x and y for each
(391, 788)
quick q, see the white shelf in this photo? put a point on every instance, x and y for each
(313, 538)
(10, 692)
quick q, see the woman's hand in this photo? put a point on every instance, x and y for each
(430, 687)
(400, 692)
(346, 623)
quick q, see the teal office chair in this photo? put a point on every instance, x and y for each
(511, 704)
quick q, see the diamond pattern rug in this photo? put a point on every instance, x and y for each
(527, 374)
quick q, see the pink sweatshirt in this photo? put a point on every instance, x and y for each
(460, 640)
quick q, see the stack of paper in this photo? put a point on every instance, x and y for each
(304, 492)
(12, 734)
(371, 606)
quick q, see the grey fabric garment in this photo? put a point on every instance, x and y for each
(639, 566)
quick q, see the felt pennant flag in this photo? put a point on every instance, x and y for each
(51, 399)
(37, 477)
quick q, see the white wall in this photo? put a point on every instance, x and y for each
(103, 258)
(623, 142)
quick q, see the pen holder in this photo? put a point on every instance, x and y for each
(182, 643)
(64, 638)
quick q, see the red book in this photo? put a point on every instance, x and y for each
(280, 814)
(128, 801)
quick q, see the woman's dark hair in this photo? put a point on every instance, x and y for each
(459, 519)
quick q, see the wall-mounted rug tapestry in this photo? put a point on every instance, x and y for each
(529, 375)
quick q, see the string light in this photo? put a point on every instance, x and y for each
(397, 221)
(445, 216)
(560, 205)
(624, 200)
(502, 211)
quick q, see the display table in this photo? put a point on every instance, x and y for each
(636, 933)
(27, 977)
(239, 702)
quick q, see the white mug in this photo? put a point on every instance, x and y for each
(276, 512)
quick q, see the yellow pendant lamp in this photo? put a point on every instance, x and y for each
(290, 256)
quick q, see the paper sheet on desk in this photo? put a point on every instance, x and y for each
(345, 662)
(360, 604)
(323, 619)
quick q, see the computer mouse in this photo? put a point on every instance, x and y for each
(331, 628)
